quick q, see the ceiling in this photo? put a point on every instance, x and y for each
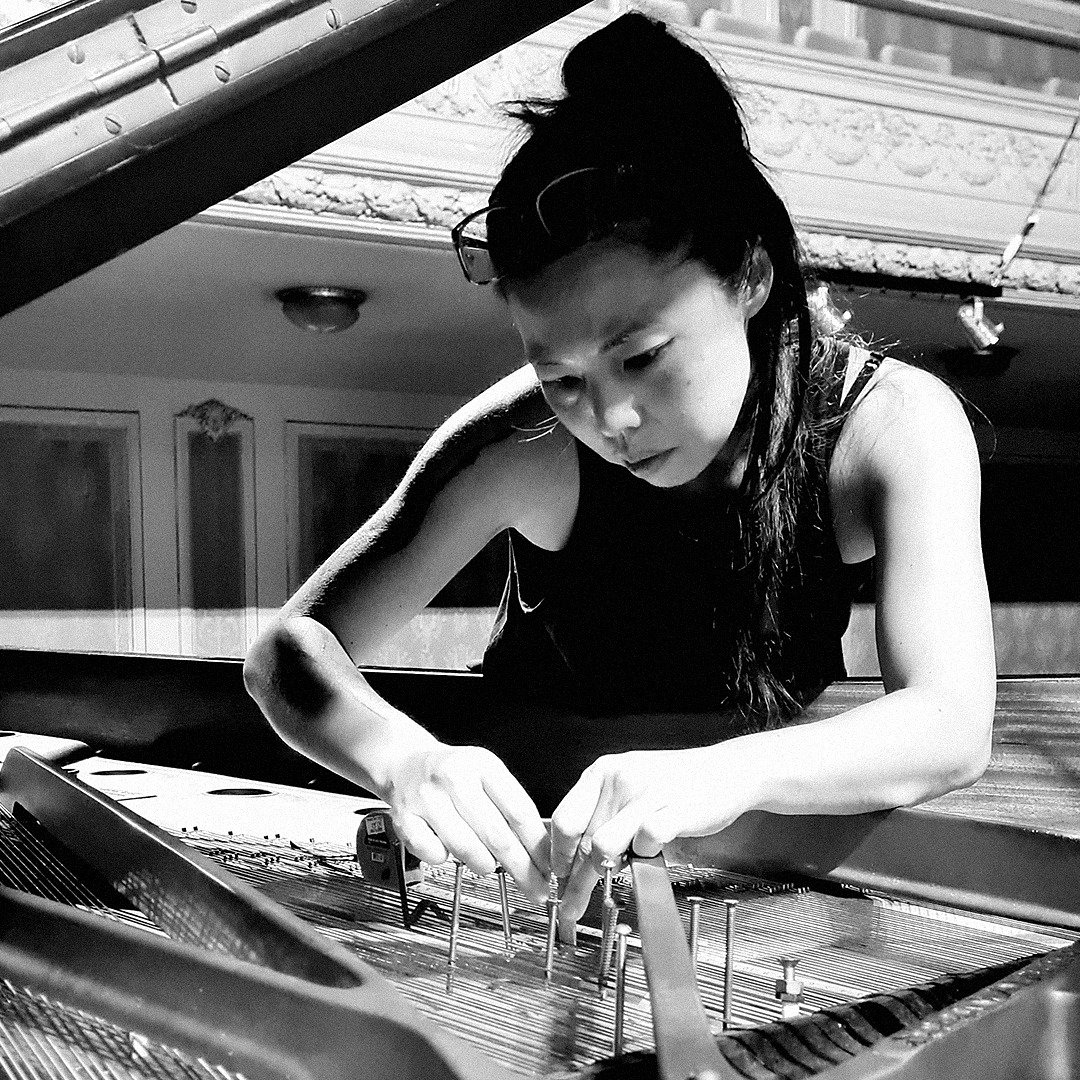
(198, 302)
(1040, 389)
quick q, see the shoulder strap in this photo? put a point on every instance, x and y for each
(871, 362)
(837, 404)
(832, 384)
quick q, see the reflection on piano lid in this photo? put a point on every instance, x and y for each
(870, 965)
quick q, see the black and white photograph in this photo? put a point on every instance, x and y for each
(539, 540)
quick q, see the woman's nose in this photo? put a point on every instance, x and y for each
(616, 412)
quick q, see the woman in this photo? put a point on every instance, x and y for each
(688, 471)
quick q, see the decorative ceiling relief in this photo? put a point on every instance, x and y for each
(527, 69)
(214, 418)
(884, 155)
(826, 251)
(810, 131)
(801, 130)
(360, 198)
(357, 197)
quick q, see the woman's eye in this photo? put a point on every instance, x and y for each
(642, 360)
(567, 384)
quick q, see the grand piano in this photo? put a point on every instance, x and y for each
(931, 942)
(184, 896)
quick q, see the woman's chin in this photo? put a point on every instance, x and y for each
(719, 476)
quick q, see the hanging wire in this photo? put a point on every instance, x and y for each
(1012, 249)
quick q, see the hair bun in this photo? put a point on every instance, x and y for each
(631, 51)
(634, 73)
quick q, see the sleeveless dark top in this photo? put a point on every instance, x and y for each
(638, 612)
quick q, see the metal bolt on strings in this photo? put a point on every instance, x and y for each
(729, 956)
(610, 916)
(789, 990)
(622, 935)
(552, 931)
(695, 927)
(455, 914)
(504, 901)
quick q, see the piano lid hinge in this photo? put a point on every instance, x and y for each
(186, 48)
(198, 61)
(75, 98)
(156, 49)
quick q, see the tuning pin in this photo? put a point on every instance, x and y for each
(729, 956)
(610, 916)
(552, 931)
(695, 926)
(789, 990)
(622, 936)
(455, 914)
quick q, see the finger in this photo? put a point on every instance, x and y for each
(489, 824)
(415, 833)
(657, 830)
(571, 820)
(578, 890)
(520, 813)
(619, 833)
(458, 835)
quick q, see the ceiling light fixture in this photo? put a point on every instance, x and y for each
(322, 309)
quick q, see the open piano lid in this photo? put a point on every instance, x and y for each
(121, 119)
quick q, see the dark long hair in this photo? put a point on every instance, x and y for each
(637, 97)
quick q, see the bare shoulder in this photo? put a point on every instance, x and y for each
(907, 436)
(905, 418)
(494, 464)
(506, 443)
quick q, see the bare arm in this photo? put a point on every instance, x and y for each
(905, 483)
(479, 474)
(911, 469)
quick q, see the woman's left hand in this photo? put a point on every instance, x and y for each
(640, 800)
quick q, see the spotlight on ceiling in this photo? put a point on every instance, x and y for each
(980, 331)
(983, 355)
(828, 316)
(322, 309)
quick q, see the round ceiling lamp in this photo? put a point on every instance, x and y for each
(322, 309)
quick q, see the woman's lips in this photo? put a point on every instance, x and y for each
(645, 464)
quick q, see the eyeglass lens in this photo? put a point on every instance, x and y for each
(475, 239)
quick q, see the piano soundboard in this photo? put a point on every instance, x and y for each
(796, 977)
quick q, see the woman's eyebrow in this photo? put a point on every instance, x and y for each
(614, 335)
(619, 337)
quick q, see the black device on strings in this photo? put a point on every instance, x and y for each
(384, 861)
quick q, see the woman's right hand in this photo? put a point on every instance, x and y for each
(462, 802)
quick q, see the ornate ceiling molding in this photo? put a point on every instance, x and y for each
(528, 69)
(827, 251)
(314, 195)
(359, 197)
(866, 120)
(811, 132)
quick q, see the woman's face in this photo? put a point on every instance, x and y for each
(644, 360)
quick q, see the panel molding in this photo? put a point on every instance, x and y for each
(213, 631)
(295, 431)
(126, 627)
